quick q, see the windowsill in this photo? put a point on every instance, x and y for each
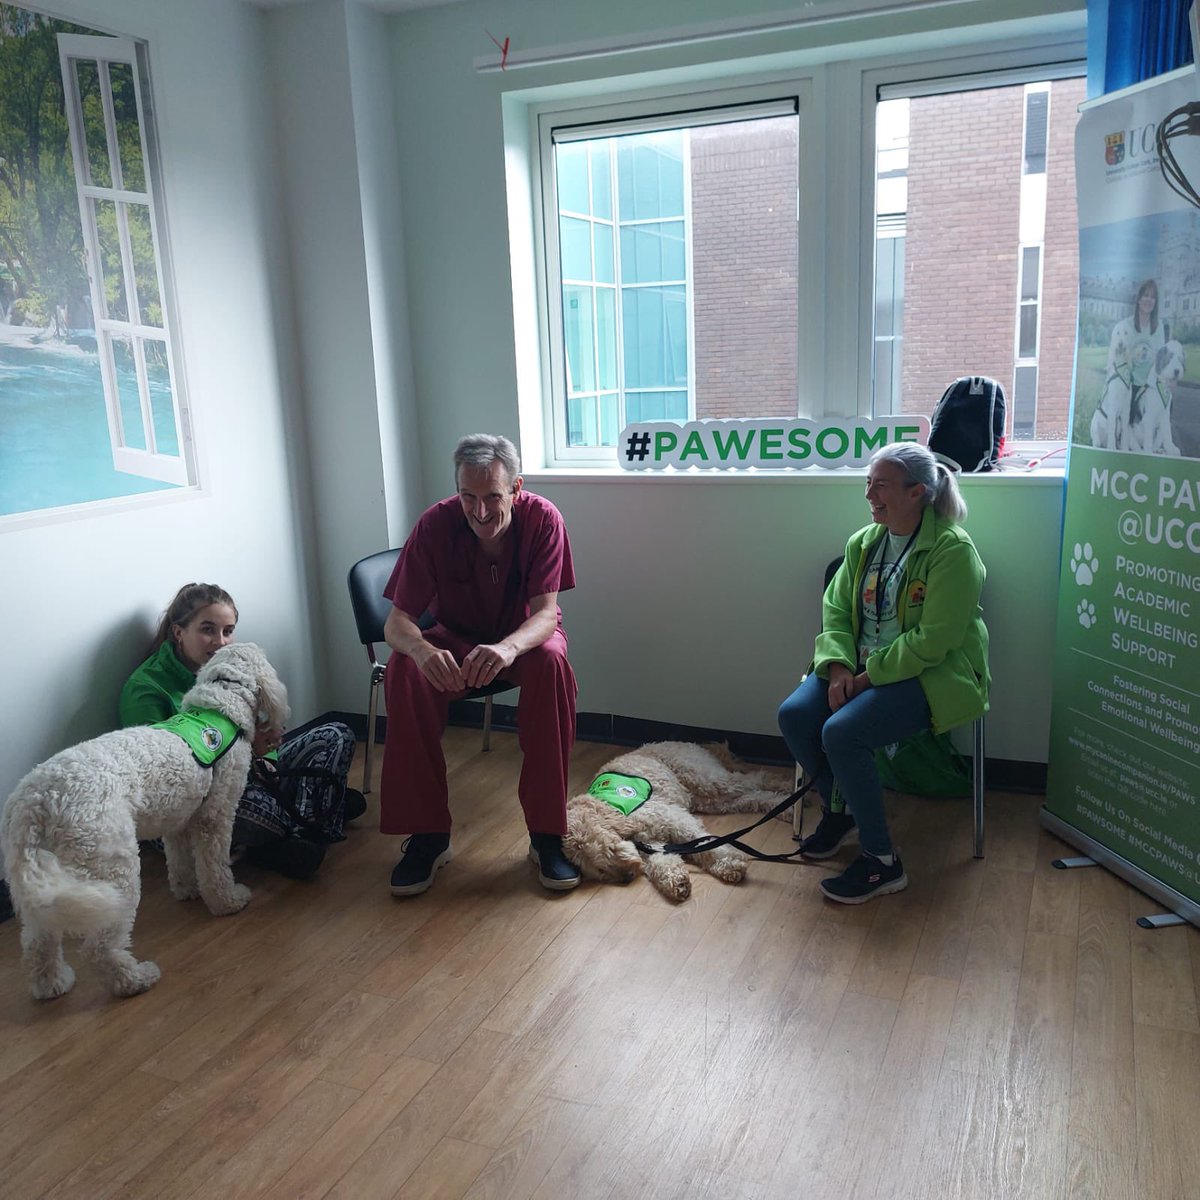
(1050, 474)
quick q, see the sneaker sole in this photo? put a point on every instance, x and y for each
(884, 889)
(415, 889)
(818, 855)
(554, 885)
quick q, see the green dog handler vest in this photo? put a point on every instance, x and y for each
(624, 792)
(209, 734)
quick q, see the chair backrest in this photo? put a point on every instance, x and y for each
(366, 580)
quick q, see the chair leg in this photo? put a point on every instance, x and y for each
(487, 723)
(798, 807)
(977, 774)
(371, 703)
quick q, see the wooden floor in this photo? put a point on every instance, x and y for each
(999, 1030)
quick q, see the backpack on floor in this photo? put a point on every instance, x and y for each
(968, 423)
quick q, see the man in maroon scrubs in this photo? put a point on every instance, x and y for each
(488, 563)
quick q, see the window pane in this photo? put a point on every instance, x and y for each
(1025, 381)
(1029, 272)
(602, 235)
(129, 140)
(112, 275)
(145, 273)
(655, 342)
(572, 169)
(601, 156)
(606, 336)
(577, 333)
(609, 423)
(133, 433)
(650, 175)
(575, 248)
(964, 267)
(161, 407)
(581, 421)
(653, 253)
(656, 406)
(1036, 122)
(99, 167)
(706, 237)
(1027, 339)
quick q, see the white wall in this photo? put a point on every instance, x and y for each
(698, 600)
(81, 595)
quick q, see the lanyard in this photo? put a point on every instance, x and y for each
(885, 576)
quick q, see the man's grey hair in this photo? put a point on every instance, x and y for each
(482, 449)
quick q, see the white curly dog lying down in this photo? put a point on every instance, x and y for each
(684, 778)
(70, 829)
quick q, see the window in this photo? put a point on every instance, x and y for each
(986, 222)
(102, 85)
(91, 399)
(674, 267)
(842, 242)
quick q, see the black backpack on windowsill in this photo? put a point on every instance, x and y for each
(968, 424)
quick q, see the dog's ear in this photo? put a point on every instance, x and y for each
(1162, 358)
(272, 696)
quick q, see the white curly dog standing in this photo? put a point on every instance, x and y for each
(71, 828)
(683, 778)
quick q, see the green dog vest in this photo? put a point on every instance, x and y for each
(624, 792)
(209, 734)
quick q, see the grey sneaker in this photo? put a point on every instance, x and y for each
(424, 855)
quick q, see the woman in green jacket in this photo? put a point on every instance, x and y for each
(902, 648)
(286, 835)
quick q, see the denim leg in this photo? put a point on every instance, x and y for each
(877, 717)
(801, 718)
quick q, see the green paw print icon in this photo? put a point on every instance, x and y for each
(1086, 612)
(1084, 564)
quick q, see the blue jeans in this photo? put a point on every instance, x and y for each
(841, 745)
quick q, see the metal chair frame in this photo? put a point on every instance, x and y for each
(366, 580)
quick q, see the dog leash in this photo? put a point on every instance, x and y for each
(712, 841)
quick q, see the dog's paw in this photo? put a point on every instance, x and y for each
(58, 984)
(185, 891)
(730, 869)
(231, 902)
(141, 977)
(677, 888)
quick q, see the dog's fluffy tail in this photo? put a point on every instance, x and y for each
(56, 900)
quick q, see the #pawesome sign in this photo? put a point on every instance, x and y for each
(765, 443)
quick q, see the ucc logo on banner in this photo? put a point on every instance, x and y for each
(764, 442)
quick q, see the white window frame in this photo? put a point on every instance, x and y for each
(148, 462)
(836, 202)
(675, 109)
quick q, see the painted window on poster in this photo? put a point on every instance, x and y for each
(92, 405)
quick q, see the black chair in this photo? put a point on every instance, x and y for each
(366, 580)
(977, 758)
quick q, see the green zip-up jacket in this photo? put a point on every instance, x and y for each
(943, 641)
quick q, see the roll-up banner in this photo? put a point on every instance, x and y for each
(1124, 771)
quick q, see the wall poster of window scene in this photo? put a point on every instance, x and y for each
(90, 401)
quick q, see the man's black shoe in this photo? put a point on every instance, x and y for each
(292, 857)
(555, 870)
(865, 877)
(424, 855)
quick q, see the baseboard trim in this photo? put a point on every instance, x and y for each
(1003, 774)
